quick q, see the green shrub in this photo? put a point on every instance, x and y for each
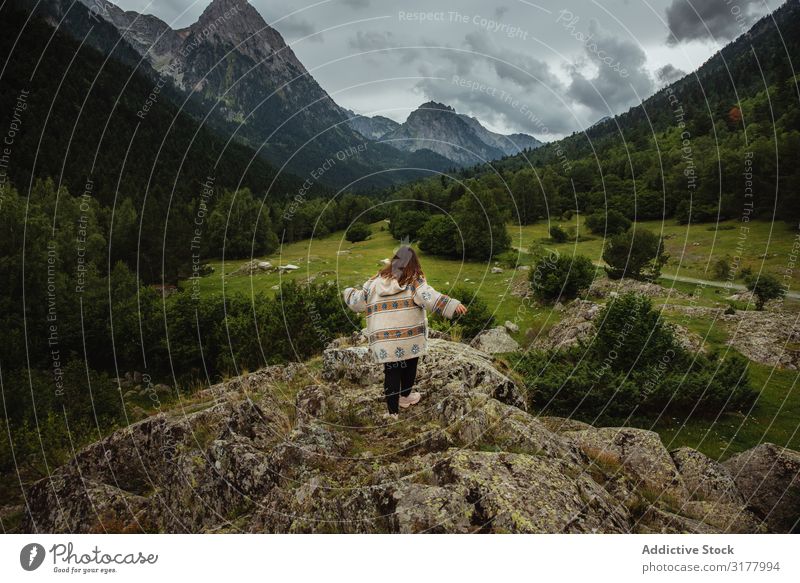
(438, 236)
(638, 254)
(765, 288)
(634, 366)
(358, 232)
(481, 224)
(611, 223)
(722, 267)
(558, 235)
(478, 317)
(633, 331)
(513, 258)
(406, 225)
(561, 277)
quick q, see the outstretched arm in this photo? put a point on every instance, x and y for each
(356, 299)
(437, 303)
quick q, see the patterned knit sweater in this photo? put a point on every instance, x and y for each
(396, 315)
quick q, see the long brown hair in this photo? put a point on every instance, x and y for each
(404, 266)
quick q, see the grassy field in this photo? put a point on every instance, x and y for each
(693, 249)
(765, 246)
(331, 258)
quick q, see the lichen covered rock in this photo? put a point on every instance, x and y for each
(285, 450)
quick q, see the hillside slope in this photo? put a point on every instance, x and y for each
(236, 73)
(681, 152)
(294, 449)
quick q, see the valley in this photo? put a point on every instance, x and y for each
(331, 259)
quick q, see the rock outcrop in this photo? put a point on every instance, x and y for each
(495, 341)
(766, 337)
(305, 448)
(768, 476)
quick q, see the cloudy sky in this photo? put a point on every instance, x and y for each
(546, 67)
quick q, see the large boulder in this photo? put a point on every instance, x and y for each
(495, 341)
(449, 361)
(575, 327)
(639, 453)
(515, 493)
(706, 479)
(768, 476)
(350, 363)
(280, 450)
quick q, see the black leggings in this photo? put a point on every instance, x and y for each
(398, 379)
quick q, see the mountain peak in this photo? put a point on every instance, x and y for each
(238, 23)
(455, 136)
(436, 105)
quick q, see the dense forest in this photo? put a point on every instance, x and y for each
(99, 202)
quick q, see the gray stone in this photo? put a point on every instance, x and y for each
(768, 476)
(706, 479)
(494, 341)
(640, 453)
(280, 450)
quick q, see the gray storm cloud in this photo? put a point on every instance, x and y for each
(621, 77)
(711, 19)
(523, 68)
(669, 74)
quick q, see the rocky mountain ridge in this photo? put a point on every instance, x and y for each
(303, 447)
(202, 57)
(458, 137)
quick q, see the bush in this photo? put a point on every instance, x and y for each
(611, 223)
(242, 332)
(629, 327)
(722, 267)
(765, 288)
(358, 232)
(558, 235)
(406, 225)
(477, 319)
(634, 366)
(557, 277)
(637, 254)
(438, 236)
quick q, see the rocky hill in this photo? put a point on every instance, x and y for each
(458, 137)
(304, 448)
(374, 127)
